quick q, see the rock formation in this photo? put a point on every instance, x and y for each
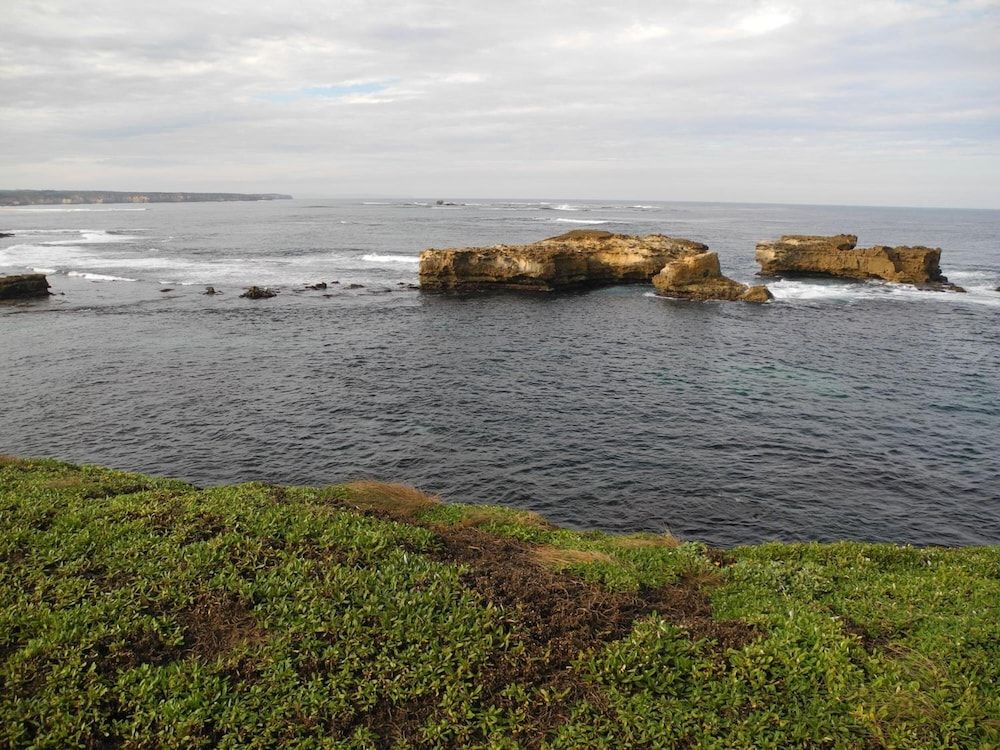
(24, 286)
(256, 292)
(700, 277)
(577, 259)
(837, 255)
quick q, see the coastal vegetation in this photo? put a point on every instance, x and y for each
(142, 612)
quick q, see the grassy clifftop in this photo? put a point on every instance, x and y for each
(140, 612)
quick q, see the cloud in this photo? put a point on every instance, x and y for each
(688, 99)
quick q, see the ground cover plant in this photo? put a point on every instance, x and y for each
(138, 612)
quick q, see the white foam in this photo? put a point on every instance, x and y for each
(98, 276)
(586, 221)
(794, 290)
(388, 258)
(94, 237)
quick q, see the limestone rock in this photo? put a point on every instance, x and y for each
(24, 286)
(838, 255)
(256, 292)
(577, 259)
(700, 277)
(757, 293)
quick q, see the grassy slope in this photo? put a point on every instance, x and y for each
(143, 612)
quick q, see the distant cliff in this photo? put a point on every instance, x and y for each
(37, 197)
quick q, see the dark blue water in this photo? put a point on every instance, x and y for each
(860, 411)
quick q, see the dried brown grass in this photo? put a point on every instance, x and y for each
(560, 558)
(476, 518)
(396, 500)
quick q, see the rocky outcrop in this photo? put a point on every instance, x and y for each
(24, 286)
(838, 255)
(700, 277)
(257, 292)
(577, 259)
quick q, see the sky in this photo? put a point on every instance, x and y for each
(880, 102)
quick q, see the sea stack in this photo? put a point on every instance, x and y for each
(700, 277)
(24, 286)
(839, 256)
(578, 259)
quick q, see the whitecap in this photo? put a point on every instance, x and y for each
(389, 258)
(94, 237)
(586, 221)
(98, 276)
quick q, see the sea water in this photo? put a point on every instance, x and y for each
(842, 410)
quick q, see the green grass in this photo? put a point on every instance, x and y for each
(139, 612)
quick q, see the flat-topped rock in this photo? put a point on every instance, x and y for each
(577, 259)
(700, 277)
(839, 256)
(24, 286)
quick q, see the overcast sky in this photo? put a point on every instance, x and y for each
(878, 102)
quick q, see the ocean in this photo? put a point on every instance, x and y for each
(841, 410)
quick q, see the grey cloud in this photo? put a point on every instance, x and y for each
(640, 99)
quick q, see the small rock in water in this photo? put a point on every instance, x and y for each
(997, 289)
(210, 290)
(24, 286)
(355, 286)
(257, 292)
(320, 285)
(6, 234)
(700, 277)
(167, 289)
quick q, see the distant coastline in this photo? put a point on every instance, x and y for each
(72, 197)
